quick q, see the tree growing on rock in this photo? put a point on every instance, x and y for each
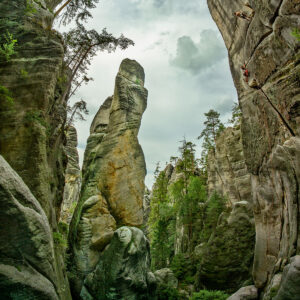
(82, 46)
(236, 115)
(213, 128)
(75, 9)
(77, 111)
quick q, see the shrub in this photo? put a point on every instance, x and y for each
(24, 73)
(5, 95)
(8, 47)
(165, 292)
(59, 240)
(209, 295)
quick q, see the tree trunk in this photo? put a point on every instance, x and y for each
(61, 8)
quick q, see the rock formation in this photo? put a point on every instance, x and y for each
(123, 269)
(29, 268)
(31, 135)
(113, 173)
(269, 100)
(31, 141)
(227, 170)
(225, 261)
(72, 177)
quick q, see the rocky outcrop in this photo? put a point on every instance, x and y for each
(123, 271)
(72, 177)
(225, 261)
(31, 135)
(31, 141)
(166, 277)
(269, 100)
(29, 268)
(245, 293)
(226, 170)
(113, 173)
(290, 286)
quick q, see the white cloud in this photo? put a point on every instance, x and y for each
(177, 98)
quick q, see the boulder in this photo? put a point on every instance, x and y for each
(165, 276)
(123, 269)
(245, 293)
(28, 266)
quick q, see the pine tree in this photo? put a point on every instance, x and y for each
(236, 115)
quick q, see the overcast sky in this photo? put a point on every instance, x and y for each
(186, 66)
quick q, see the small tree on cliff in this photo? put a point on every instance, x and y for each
(236, 115)
(82, 46)
(213, 127)
(77, 111)
(75, 9)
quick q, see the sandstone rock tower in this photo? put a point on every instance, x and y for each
(113, 172)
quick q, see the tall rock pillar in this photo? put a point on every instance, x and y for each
(113, 172)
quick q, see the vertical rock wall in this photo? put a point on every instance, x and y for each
(227, 170)
(113, 173)
(270, 104)
(31, 141)
(72, 177)
(31, 135)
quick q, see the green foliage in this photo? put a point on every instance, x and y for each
(36, 116)
(213, 128)
(138, 82)
(7, 49)
(59, 240)
(214, 207)
(165, 292)
(178, 265)
(236, 115)
(24, 73)
(112, 294)
(30, 8)
(6, 95)
(209, 295)
(161, 222)
(296, 34)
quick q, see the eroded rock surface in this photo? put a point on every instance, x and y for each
(270, 104)
(227, 170)
(245, 293)
(123, 269)
(72, 177)
(28, 267)
(113, 172)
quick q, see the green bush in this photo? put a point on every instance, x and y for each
(36, 116)
(209, 295)
(178, 265)
(7, 49)
(59, 240)
(165, 292)
(6, 95)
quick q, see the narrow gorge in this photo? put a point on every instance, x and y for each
(221, 225)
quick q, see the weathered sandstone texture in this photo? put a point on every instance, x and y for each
(29, 268)
(270, 103)
(31, 141)
(123, 269)
(31, 135)
(72, 177)
(227, 171)
(245, 293)
(113, 173)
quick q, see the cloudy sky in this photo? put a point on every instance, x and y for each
(186, 66)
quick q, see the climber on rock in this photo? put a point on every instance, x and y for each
(242, 15)
(246, 75)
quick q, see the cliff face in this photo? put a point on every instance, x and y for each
(225, 260)
(113, 172)
(31, 138)
(226, 170)
(30, 267)
(31, 141)
(270, 125)
(72, 177)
